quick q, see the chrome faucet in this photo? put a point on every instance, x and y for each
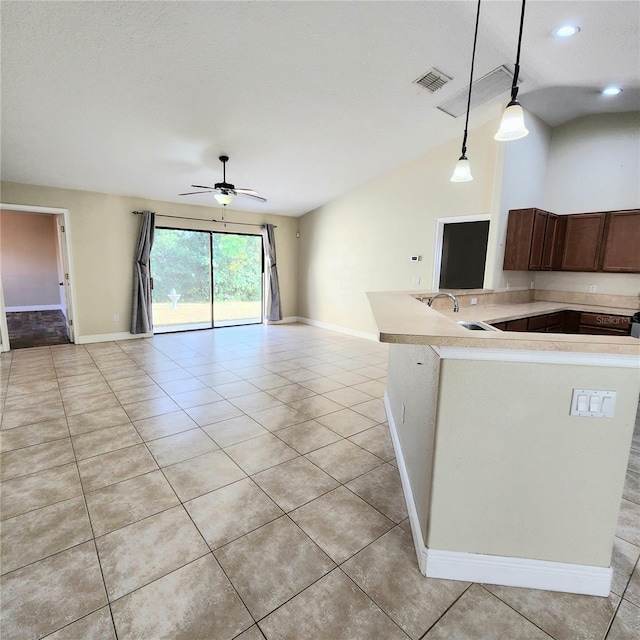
(456, 307)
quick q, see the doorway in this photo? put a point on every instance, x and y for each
(35, 304)
(205, 279)
(461, 252)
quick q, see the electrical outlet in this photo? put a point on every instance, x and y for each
(402, 417)
(474, 300)
(116, 317)
(416, 281)
(592, 288)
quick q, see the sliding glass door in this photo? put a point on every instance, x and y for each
(204, 279)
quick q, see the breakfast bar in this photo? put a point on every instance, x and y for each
(509, 479)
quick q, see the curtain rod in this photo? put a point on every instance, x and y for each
(245, 224)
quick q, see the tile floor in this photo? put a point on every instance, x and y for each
(239, 483)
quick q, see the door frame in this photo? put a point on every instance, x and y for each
(439, 238)
(64, 249)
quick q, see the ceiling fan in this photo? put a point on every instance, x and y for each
(224, 192)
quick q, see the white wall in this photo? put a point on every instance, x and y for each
(593, 165)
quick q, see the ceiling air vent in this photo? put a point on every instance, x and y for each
(489, 86)
(433, 80)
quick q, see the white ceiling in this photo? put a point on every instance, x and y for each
(309, 99)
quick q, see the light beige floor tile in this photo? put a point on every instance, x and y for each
(291, 393)
(347, 396)
(316, 406)
(49, 594)
(278, 417)
(196, 397)
(37, 534)
(181, 446)
(270, 565)
(373, 409)
(346, 422)
(90, 403)
(562, 615)
(348, 377)
(115, 466)
(150, 408)
(634, 460)
(128, 501)
(626, 624)
(344, 460)
(197, 476)
(371, 372)
(235, 389)
(148, 549)
(382, 489)
(232, 511)
(235, 430)
(629, 522)
(173, 385)
(376, 440)
(373, 388)
(96, 626)
(387, 571)
(478, 614)
(39, 457)
(29, 435)
(26, 493)
(632, 487)
(260, 453)
(170, 376)
(212, 413)
(633, 589)
(73, 381)
(195, 602)
(18, 403)
(85, 390)
(253, 633)
(95, 443)
(623, 559)
(340, 523)
(164, 425)
(299, 375)
(31, 387)
(255, 402)
(136, 382)
(94, 420)
(218, 378)
(321, 385)
(308, 436)
(139, 393)
(354, 616)
(37, 413)
(294, 483)
(269, 382)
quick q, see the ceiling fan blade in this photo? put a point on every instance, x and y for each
(250, 194)
(200, 186)
(191, 193)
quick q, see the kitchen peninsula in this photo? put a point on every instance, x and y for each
(502, 484)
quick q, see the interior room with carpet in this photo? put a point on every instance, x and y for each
(266, 426)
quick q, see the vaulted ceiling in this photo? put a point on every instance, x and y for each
(309, 99)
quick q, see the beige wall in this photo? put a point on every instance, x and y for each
(29, 265)
(538, 483)
(102, 238)
(363, 240)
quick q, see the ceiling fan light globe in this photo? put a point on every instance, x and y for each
(224, 198)
(512, 123)
(462, 171)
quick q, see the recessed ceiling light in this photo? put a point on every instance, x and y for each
(611, 91)
(566, 31)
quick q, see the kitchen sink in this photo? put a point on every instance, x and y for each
(475, 326)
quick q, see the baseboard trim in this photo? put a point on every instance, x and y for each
(34, 307)
(285, 320)
(500, 570)
(519, 572)
(339, 329)
(414, 521)
(111, 337)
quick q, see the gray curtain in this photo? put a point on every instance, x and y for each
(274, 311)
(141, 319)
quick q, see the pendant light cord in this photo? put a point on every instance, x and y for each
(516, 71)
(473, 59)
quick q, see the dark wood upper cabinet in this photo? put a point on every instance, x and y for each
(553, 242)
(524, 246)
(582, 242)
(621, 251)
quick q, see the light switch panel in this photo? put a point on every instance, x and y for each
(591, 403)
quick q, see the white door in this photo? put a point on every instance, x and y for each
(64, 283)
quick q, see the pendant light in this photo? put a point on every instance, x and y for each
(512, 123)
(462, 170)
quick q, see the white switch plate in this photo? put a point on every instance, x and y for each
(592, 288)
(593, 404)
(474, 300)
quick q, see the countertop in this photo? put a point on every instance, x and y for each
(402, 319)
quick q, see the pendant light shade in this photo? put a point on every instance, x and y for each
(512, 123)
(462, 170)
(224, 198)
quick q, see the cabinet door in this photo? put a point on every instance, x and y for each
(553, 242)
(517, 325)
(622, 242)
(582, 242)
(537, 240)
(524, 244)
